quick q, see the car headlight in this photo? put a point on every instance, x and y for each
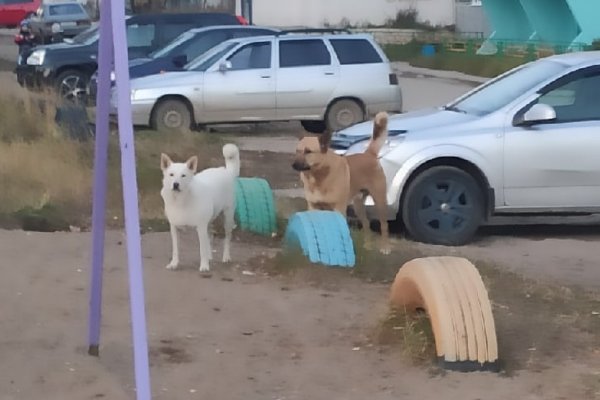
(112, 76)
(37, 57)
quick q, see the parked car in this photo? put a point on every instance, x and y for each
(67, 67)
(66, 18)
(187, 46)
(525, 142)
(12, 12)
(332, 79)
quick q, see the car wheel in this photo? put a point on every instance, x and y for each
(171, 116)
(71, 86)
(313, 126)
(443, 205)
(344, 113)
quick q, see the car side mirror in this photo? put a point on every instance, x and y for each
(180, 60)
(538, 113)
(225, 66)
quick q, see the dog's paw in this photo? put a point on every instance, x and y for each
(204, 268)
(226, 258)
(172, 265)
(385, 250)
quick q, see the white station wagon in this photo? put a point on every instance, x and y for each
(331, 80)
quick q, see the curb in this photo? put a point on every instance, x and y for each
(407, 70)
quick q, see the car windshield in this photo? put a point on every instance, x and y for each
(501, 91)
(88, 36)
(203, 62)
(184, 37)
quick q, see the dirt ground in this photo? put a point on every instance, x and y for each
(233, 335)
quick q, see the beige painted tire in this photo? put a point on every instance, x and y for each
(452, 292)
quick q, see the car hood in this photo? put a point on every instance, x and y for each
(164, 80)
(138, 61)
(63, 46)
(401, 125)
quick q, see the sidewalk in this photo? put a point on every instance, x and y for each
(408, 70)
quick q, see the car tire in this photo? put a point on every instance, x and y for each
(343, 113)
(313, 126)
(443, 205)
(71, 86)
(171, 116)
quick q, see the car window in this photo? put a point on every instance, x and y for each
(355, 51)
(208, 59)
(170, 31)
(140, 35)
(88, 36)
(174, 44)
(252, 56)
(575, 100)
(201, 43)
(64, 9)
(499, 92)
(303, 53)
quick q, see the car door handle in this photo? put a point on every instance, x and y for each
(265, 76)
(329, 73)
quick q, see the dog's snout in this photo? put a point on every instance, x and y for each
(175, 185)
(300, 166)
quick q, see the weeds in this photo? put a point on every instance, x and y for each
(46, 177)
(411, 332)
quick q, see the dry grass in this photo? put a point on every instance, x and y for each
(410, 332)
(41, 168)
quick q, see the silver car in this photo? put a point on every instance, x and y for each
(323, 80)
(527, 141)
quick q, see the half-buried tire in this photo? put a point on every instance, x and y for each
(254, 206)
(323, 237)
(452, 292)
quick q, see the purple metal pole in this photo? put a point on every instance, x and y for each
(105, 59)
(130, 199)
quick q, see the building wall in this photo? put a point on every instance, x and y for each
(471, 20)
(317, 13)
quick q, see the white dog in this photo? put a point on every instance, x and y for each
(196, 199)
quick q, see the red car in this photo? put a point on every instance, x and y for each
(12, 12)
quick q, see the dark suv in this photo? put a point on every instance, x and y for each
(183, 49)
(67, 67)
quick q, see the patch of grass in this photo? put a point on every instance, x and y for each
(486, 66)
(479, 65)
(40, 165)
(373, 266)
(403, 52)
(411, 332)
(532, 317)
(47, 218)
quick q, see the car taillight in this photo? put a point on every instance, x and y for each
(242, 20)
(393, 79)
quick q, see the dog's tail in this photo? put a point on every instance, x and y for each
(380, 132)
(232, 158)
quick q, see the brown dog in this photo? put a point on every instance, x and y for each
(331, 181)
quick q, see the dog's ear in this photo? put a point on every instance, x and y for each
(192, 163)
(165, 161)
(325, 140)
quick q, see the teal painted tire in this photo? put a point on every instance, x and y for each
(254, 206)
(323, 236)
